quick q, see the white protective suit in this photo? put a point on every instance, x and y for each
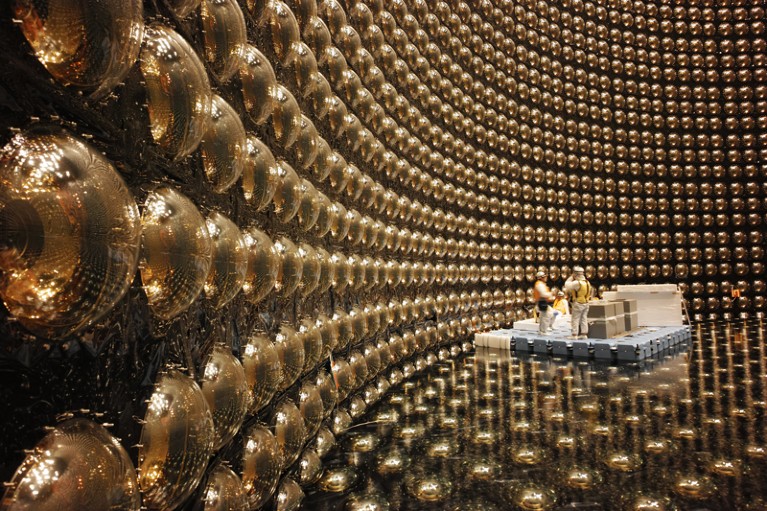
(579, 291)
(543, 296)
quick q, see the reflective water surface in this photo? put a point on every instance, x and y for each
(489, 430)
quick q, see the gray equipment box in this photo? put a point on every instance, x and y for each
(602, 310)
(630, 314)
(603, 328)
(629, 305)
(619, 322)
(631, 320)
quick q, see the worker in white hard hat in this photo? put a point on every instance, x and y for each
(543, 298)
(561, 304)
(579, 291)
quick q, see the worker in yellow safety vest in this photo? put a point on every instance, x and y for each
(579, 292)
(543, 298)
(561, 304)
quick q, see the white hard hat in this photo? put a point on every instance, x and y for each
(540, 274)
(578, 269)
